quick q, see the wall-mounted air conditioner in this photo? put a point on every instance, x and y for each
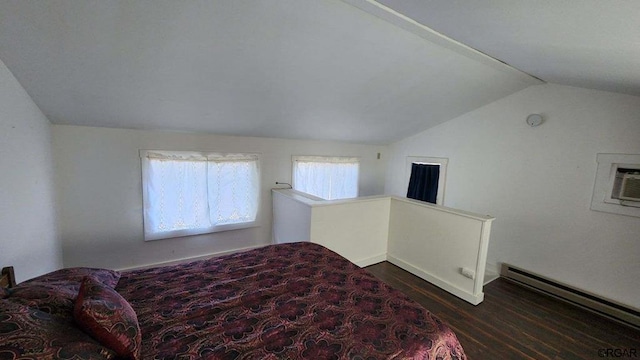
(608, 193)
(630, 188)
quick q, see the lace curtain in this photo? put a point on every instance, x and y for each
(327, 178)
(190, 193)
(233, 188)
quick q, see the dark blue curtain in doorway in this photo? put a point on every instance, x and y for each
(423, 184)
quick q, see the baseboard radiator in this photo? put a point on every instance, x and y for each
(594, 303)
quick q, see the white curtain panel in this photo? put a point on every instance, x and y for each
(327, 178)
(176, 195)
(188, 193)
(234, 191)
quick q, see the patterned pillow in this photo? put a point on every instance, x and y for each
(75, 275)
(56, 292)
(102, 313)
(28, 333)
(56, 300)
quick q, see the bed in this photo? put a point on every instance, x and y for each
(286, 301)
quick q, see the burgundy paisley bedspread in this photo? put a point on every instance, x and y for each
(289, 301)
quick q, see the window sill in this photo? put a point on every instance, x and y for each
(185, 233)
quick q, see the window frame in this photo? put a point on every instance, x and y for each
(151, 236)
(325, 159)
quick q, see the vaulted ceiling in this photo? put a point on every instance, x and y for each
(351, 70)
(586, 43)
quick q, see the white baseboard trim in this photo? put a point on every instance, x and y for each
(192, 258)
(371, 260)
(464, 295)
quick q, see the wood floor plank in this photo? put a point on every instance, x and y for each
(514, 322)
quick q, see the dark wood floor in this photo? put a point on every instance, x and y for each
(514, 322)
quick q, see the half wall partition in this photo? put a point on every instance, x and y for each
(445, 246)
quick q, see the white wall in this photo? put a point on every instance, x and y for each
(356, 228)
(291, 218)
(100, 198)
(436, 243)
(538, 182)
(29, 240)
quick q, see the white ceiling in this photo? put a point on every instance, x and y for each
(310, 69)
(585, 43)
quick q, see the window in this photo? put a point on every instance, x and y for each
(189, 193)
(610, 175)
(426, 178)
(326, 177)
